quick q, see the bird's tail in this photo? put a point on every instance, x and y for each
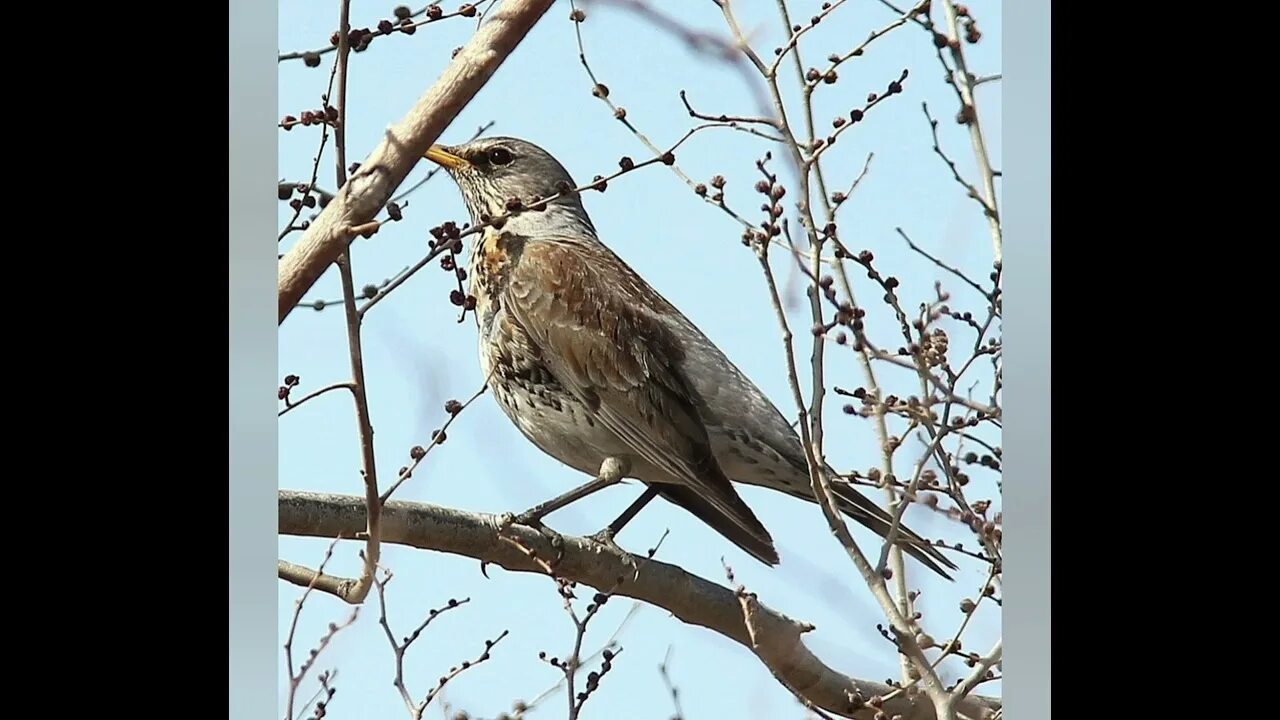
(872, 516)
(861, 508)
(736, 523)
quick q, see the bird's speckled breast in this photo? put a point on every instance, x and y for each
(492, 258)
(523, 387)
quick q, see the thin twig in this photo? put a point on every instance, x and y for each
(290, 405)
(373, 34)
(953, 270)
(296, 678)
(356, 594)
(964, 83)
(437, 438)
(315, 167)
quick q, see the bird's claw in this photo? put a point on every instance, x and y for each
(529, 520)
(605, 538)
(526, 518)
(557, 543)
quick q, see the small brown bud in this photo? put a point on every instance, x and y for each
(577, 15)
(311, 59)
(435, 12)
(600, 90)
(418, 452)
(467, 10)
(620, 113)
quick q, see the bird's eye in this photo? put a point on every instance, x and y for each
(500, 156)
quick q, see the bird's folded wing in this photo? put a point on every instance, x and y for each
(586, 311)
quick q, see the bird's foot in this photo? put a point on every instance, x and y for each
(605, 537)
(534, 520)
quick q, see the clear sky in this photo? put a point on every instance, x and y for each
(417, 356)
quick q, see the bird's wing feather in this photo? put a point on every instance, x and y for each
(586, 311)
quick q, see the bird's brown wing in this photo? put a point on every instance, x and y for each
(591, 317)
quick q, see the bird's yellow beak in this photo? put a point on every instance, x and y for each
(440, 156)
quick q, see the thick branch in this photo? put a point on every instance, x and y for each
(360, 199)
(690, 598)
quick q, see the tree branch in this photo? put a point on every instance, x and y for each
(694, 600)
(368, 190)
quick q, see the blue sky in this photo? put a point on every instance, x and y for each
(417, 356)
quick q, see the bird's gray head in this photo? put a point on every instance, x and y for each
(492, 171)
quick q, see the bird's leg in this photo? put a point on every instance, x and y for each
(612, 470)
(606, 536)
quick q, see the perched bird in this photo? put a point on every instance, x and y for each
(604, 374)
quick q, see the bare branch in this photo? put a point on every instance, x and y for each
(944, 266)
(290, 405)
(360, 199)
(965, 83)
(315, 167)
(406, 26)
(296, 574)
(693, 600)
(437, 438)
(970, 190)
(671, 688)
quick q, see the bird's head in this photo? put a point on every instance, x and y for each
(492, 171)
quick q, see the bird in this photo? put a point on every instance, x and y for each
(602, 373)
